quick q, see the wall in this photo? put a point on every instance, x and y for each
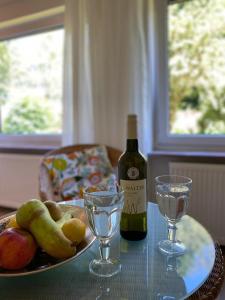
(11, 9)
(18, 178)
(158, 163)
(207, 171)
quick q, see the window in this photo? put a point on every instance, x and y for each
(31, 76)
(192, 98)
(31, 89)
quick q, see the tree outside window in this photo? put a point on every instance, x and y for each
(31, 84)
(197, 67)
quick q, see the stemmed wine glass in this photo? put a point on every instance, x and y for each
(172, 195)
(103, 205)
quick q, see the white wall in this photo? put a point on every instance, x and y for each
(11, 9)
(18, 178)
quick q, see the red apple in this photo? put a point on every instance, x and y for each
(17, 248)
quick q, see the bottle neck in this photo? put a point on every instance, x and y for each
(132, 141)
(132, 145)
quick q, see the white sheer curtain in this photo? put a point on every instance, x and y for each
(107, 71)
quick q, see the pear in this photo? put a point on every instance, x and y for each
(54, 209)
(66, 216)
(34, 216)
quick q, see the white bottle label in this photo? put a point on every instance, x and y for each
(134, 196)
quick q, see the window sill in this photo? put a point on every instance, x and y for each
(187, 153)
(26, 150)
(30, 144)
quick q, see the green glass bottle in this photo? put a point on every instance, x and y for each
(132, 174)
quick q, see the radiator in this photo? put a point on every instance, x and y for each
(207, 202)
(18, 178)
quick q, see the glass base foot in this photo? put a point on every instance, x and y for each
(169, 248)
(104, 268)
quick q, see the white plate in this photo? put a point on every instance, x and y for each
(42, 261)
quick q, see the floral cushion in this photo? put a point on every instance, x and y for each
(71, 172)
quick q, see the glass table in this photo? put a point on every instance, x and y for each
(146, 273)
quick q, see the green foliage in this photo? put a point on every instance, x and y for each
(30, 84)
(4, 71)
(191, 100)
(28, 116)
(197, 64)
(213, 118)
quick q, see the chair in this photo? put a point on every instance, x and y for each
(45, 185)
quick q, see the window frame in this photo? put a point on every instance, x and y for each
(162, 139)
(47, 20)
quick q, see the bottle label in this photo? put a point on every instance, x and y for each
(133, 173)
(134, 196)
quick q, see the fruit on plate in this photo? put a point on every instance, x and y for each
(74, 229)
(12, 222)
(65, 217)
(17, 248)
(54, 209)
(34, 216)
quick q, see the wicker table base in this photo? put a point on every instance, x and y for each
(211, 288)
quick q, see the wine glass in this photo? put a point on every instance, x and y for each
(103, 205)
(172, 195)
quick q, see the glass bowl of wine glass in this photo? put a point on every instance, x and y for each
(103, 205)
(172, 195)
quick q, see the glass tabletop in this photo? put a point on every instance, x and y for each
(146, 273)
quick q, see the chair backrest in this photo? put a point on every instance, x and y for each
(45, 185)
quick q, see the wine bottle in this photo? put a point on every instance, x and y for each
(132, 175)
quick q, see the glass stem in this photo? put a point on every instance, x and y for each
(172, 232)
(104, 248)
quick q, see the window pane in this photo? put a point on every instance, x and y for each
(197, 67)
(31, 84)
